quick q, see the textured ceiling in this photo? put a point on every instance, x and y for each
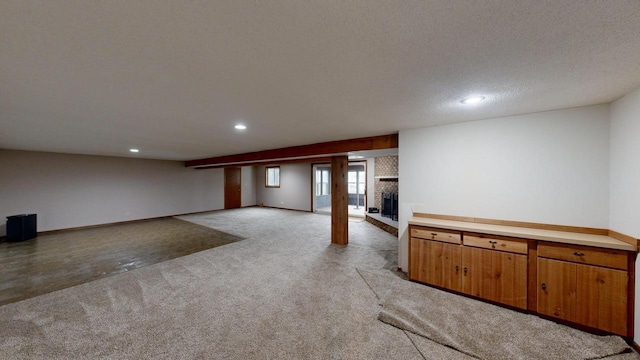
(173, 77)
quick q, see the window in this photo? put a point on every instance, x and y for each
(356, 180)
(322, 182)
(272, 176)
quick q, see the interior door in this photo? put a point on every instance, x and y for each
(232, 188)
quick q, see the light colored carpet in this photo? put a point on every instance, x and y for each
(282, 293)
(482, 330)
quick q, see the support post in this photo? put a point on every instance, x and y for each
(339, 200)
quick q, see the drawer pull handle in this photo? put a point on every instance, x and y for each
(433, 235)
(457, 268)
(493, 243)
(543, 286)
(465, 271)
(578, 254)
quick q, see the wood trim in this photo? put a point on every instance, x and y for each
(631, 296)
(635, 346)
(532, 276)
(409, 252)
(313, 160)
(577, 229)
(625, 238)
(325, 148)
(266, 177)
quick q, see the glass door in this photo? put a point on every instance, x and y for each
(356, 186)
(322, 188)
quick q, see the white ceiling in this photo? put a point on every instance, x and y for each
(173, 77)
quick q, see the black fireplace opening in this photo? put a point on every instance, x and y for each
(389, 205)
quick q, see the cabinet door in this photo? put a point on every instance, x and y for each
(448, 270)
(476, 272)
(435, 263)
(417, 259)
(602, 298)
(557, 287)
(495, 276)
(510, 279)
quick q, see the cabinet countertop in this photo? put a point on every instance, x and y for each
(565, 237)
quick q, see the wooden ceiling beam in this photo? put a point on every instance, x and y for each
(315, 160)
(325, 148)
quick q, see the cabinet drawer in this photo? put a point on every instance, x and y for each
(435, 234)
(495, 243)
(616, 259)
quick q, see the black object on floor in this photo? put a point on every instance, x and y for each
(22, 227)
(373, 210)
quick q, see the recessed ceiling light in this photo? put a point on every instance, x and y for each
(240, 127)
(472, 100)
(134, 150)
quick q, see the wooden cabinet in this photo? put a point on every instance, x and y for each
(615, 259)
(426, 233)
(435, 257)
(602, 298)
(557, 289)
(586, 285)
(574, 287)
(496, 276)
(495, 268)
(497, 243)
(491, 268)
(436, 263)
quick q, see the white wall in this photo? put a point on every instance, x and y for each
(625, 175)
(549, 167)
(78, 190)
(371, 181)
(294, 191)
(248, 190)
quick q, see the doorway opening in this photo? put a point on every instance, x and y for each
(356, 186)
(322, 188)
